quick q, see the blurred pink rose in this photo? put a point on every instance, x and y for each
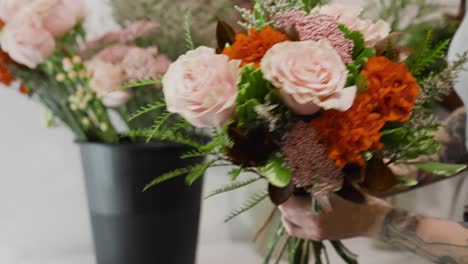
(9, 8)
(349, 16)
(144, 64)
(58, 16)
(105, 78)
(310, 75)
(120, 38)
(201, 86)
(113, 54)
(26, 41)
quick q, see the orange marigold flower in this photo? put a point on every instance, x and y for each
(252, 47)
(24, 90)
(349, 134)
(390, 96)
(6, 77)
(393, 88)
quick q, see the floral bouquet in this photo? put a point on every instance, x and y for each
(311, 99)
(43, 45)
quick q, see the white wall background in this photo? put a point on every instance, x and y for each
(43, 213)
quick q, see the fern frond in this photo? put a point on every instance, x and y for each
(251, 203)
(188, 33)
(198, 171)
(231, 187)
(166, 136)
(158, 123)
(137, 84)
(167, 176)
(147, 108)
(195, 153)
(436, 53)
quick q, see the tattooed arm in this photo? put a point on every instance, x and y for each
(440, 241)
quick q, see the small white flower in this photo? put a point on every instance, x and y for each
(72, 75)
(60, 77)
(85, 121)
(83, 74)
(77, 60)
(103, 127)
(67, 64)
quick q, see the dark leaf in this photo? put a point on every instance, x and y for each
(280, 195)
(350, 193)
(225, 34)
(379, 177)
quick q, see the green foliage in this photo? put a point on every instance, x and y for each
(198, 171)
(357, 37)
(158, 124)
(307, 5)
(251, 203)
(194, 153)
(404, 143)
(427, 55)
(168, 135)
(167, 176)
(441, 169)
(147, 108)
(277, 172)
(408, 181)
(355, 77)
(280, 231)
(140, 83)
(232, 186)
(253, 90)
(189, 44)
(344, 253)
(235, 173)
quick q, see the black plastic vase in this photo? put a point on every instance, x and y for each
(159, 226)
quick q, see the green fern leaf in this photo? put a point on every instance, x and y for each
(188, 33)
(167, 176)
(158, 123)
(231, 187)
(251, 203)
(198, 171)
(146, 109)
(235, 173)
(165, 136)
(137, 84)
(194, 154)
(436, 53)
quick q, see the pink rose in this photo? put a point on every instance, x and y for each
(121, 38)
(9, 8)
(105, 78)
(145, 64)
(349, 16)
(310, 75)
(58, 16)
(113, 54)
(26, 41)
(201, 86)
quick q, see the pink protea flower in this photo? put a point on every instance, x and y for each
(308, 157)
(317, 27)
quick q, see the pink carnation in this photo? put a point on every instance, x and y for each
(309, 27)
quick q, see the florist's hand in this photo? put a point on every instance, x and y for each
(339, 219)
